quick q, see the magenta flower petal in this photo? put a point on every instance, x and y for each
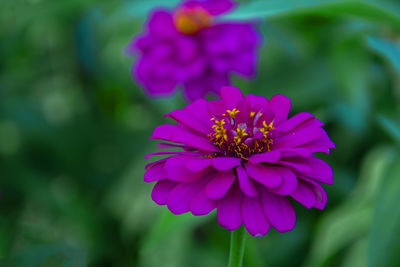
(267, 157)
(297, 166)
(196, 88)
(187, 119)
(180, 197)
(319, 169)
(190, 47)
(155, 173)
(228, 209)
(247, 186)
(253, 216)
(256, 100)
(280, 106)
(293, 152)
(289, 181)
(279, 211)
(199, 110)
(220, 184)
(201, 204)
(297, 119)
(174, 133)
(310, 194)
(161, 191)
(298, 137)
(176, 170)
(244, 157)
(215, 7)
(265, 175)
(321, 144)
(161, 24)
(224, 163)
(231, 96)
(197, 164)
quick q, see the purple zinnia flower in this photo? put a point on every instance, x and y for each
(244, 157)
(187, 46)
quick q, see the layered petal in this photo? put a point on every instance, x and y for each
(267, 157)
(162, 190)
(297, 137)
(176, 170)
(229, 209)
(201, 204)
(161, 24)
(180, 198)
(214, 7)
(294, 121)
(231, 96)
(197, 164)
(247, 186)
(174, 133)
(220, 184)
(279, 211)
(186, 118)
(155, 173)
(280, 105)
(310, 194)
(224, 163)
(266, 175)
(317, 169)
(253, 216)
(289, 181)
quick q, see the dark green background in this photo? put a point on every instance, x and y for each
(74, 130)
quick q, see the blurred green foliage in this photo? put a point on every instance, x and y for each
(74, 130)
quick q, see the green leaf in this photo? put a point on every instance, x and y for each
(171, 239)
(357, 254)
(142, 7)
(384, 243)
(386, 48)
(384, 11)
(391, 126)
(352, 80)
(351, 221)
(47, 255)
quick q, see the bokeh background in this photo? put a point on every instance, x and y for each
(74, 130)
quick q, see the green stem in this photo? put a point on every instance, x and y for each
(238, 240)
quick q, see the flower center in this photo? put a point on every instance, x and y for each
(190, 20)
(240, 138)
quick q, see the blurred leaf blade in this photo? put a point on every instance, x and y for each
(351, 221)
(384, 12)
(388, 49)
(391, 126)
(383, 244)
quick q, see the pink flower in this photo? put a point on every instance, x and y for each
(189, 47)
(244, 157)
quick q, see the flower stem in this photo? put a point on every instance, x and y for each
(238, 240)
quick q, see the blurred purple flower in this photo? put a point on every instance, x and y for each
(244, 157)
(189, 47)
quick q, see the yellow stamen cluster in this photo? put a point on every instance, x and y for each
(222, 136)
(240, 148)
(240, 134)
(219, 130)
(232, 113)
(267, 128)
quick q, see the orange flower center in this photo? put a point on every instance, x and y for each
(191, 20)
